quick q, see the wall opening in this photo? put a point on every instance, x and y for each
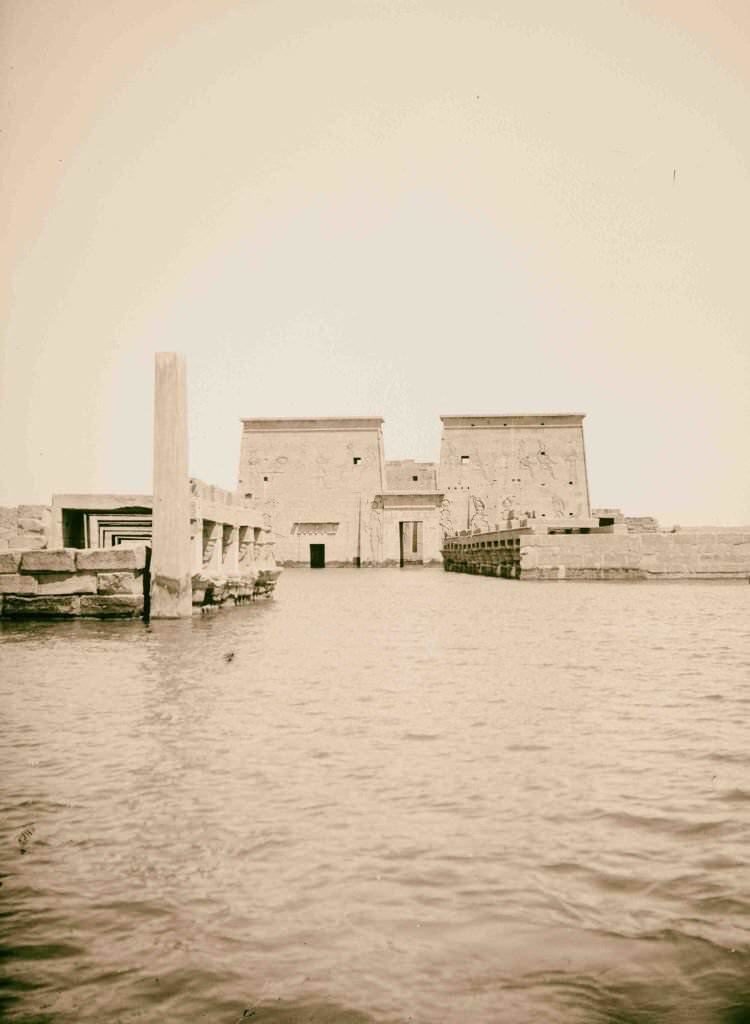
(317, 556)
(410, 537)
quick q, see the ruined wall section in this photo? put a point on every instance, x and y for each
(25, 527)
(700, 555)
(522, 554)
(495, 468)
(71, 582)
(316, 481)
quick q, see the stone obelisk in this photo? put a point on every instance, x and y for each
(171, 592)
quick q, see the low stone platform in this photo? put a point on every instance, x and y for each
(551, 552)
(69, 582)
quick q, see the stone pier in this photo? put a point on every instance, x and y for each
(171, 590)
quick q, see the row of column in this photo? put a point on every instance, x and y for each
(220, 549)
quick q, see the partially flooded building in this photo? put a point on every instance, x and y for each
(330, 497)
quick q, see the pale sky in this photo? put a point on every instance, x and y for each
(379, 207)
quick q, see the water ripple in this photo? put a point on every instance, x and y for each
(409, 796)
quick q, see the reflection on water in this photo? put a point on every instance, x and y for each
(408, 795)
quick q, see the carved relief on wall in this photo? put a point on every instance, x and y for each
(506, 508)
(558, 505)
(314, 528)
(269, 511)
(525, 461)
(374, 529)
(447, 527)
(544, 460)
(571, 461)
(477, 514)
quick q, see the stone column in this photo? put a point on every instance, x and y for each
(171, 592)
(212, 548)
(231, 550)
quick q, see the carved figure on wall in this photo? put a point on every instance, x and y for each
(544, 459)
(571, 461)
(269, 509)
(375, 529)
(446, 518)
(478, 514)
(558, 505)
(525, 461)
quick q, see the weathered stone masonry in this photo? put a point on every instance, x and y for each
(527, 553)
(65, 583)
(328, 493)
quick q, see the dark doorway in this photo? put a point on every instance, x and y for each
(410, 543)
(317, 556)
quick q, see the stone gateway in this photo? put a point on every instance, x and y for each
(330, 498)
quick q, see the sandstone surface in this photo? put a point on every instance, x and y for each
(112, 559)
(115, 606)
(56, 560)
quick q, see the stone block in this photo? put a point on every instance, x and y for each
(10, 561)
(31, 525)
(14, 583)
(56, 560)
(28, 542)
(40, 607)
(650, 541)
(119, 583)
(123, 606)
(112, 559)
(66, 583)
(33, 511)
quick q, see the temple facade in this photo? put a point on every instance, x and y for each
(329, 497)
(499, 468)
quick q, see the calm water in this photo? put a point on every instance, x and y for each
(408, 796)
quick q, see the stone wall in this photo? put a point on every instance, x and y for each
(70, 582)
(606, 556)
(714, 555)
(316, 480)
(641, 524)
(406, 475)
(25, 527)
(493, 468)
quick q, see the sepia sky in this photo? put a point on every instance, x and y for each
(379, 207)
